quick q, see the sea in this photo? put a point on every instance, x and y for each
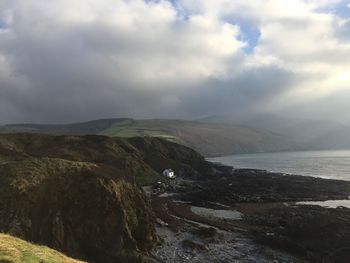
(325, 164)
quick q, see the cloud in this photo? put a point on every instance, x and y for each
(69, 60)
(108, 57)
(343, 31)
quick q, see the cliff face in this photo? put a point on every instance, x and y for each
(160, 154)
(78, 194)
(140, 158)
(79, 208)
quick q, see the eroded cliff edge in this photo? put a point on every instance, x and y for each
(80, 194)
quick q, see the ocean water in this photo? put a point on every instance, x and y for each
(325, 164)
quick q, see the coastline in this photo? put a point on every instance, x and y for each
(191, 224)
(327, 164)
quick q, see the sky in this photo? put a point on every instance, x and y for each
(75, 60)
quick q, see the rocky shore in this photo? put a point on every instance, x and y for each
(82, 195)
(250, 216)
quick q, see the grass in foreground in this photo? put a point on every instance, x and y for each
(15, 250)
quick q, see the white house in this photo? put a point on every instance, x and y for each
(168, 173)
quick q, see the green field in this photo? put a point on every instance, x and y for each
(210, 139)
(134, 128)
(14, 250)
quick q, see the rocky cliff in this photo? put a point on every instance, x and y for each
(79, 194)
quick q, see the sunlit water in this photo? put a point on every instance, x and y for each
(329, 203)
(325, 164)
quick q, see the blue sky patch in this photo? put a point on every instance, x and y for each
(251, 35)
(2, 23)
(181, 12)
(341, 9)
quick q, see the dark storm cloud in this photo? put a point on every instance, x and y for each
(75, 60)
(249, 91)
(59, 69)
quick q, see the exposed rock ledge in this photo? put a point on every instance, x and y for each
(77, 208)
(77, 195)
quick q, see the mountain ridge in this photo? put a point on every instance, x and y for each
(210, 139)
(215, 135)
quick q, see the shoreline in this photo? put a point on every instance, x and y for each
(275, 152)
(194, 223)
(327, 164)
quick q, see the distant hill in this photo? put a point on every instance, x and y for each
(215, 135)
(80, 128)
(305, 134)
(209, 138)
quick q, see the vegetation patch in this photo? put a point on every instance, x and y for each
(15, 250)
(78, 194)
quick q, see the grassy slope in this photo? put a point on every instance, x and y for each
(15, 250)
(90, 127)
(154, 128)
(208, 138)
(40, 174)
(124, 156)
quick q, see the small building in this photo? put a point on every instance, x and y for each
(168, 173)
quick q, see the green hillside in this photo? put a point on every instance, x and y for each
(210, 139)
(135, 128)
(81, 194)
(79, 128)
(15, 250)
(125, 156)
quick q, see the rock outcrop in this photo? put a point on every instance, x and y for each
(80, 196)
(79, 208)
